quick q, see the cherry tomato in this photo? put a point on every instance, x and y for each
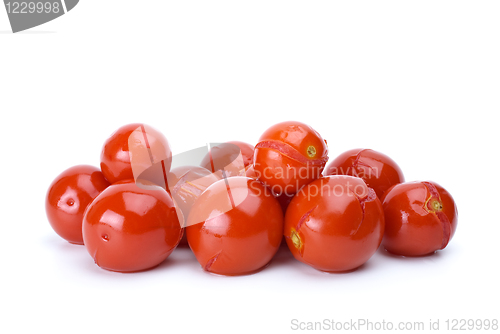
(135, 148)
(378, 170)
(68, 197)
(288, 156)
(246, 152)
(421, 218)
(235, 227)
(129, 228)
(334, 224)
(187, 183)
(225, 157)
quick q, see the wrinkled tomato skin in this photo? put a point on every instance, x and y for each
(378, 170)
(187, 187)
(242, 240)
(246, 152)
(67, 198)
(328, 227)
(412, 229)
(129, 229)
(224, 154)
(288, 156)
(282, 174)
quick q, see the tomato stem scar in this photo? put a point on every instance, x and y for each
(311, 151)
(290, 152)
(436, 205)
(296, 239)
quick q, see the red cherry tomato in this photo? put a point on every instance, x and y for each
(150, 148)
(128, 228)
(187, 183)
(334, 224)
(421, 218)
(246, 152)
(288, 156)
(378, 170)
(235, 227)
(225, 155)
(68, 197)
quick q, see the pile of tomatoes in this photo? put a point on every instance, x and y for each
(241, 202)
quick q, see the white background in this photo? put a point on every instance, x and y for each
(419, 81)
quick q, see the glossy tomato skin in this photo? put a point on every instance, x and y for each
(128, 228)
(378, 170)
(241, 240)
(116, 154)
(421, 218)
(334, 224)
(246, 152)
(288, 156)
(225, 154)
(67, 198)
(187, 183)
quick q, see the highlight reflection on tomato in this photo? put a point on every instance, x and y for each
(150, 146)
(334, 224)
(67, 198)
(288, 156)
(129, 228)
(238, 241)
(421, 218)
(378, 170)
